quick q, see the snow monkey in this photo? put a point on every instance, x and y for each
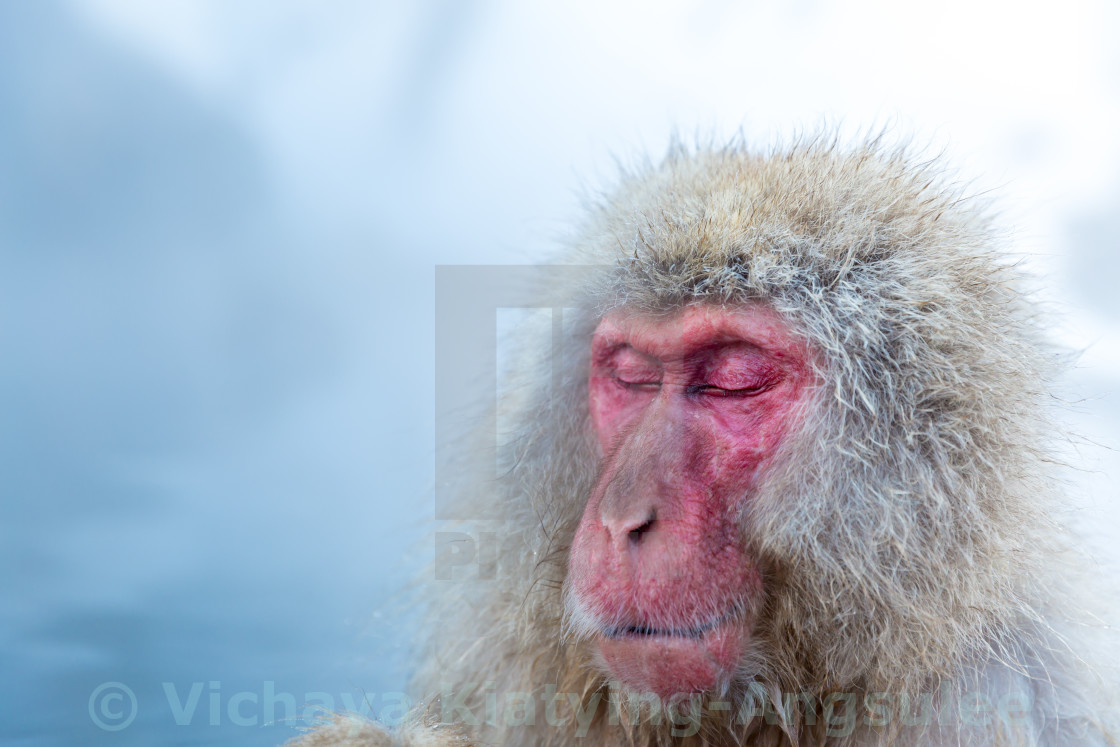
(798, 489)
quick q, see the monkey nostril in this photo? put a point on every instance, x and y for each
(637, 532)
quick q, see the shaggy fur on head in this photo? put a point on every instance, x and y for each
(906, 534)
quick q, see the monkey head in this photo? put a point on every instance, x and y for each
(811, 385)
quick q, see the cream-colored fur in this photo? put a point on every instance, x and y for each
(908, 534)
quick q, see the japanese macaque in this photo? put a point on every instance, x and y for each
(796, 485)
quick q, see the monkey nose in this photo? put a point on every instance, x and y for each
(632, 528)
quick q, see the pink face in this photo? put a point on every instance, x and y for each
(689, 409)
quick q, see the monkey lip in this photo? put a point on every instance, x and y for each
(645, 631)
(670, 661)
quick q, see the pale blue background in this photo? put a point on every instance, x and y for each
(218, 227)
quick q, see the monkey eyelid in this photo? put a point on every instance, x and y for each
(637, 384)
(696, 389)
(710, 390)
(717, 391)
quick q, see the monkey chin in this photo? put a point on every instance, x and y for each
(671, 663)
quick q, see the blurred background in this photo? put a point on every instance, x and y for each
(219, 222)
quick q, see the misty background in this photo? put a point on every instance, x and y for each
(219, 223)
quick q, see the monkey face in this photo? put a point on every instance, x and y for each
(688, 408)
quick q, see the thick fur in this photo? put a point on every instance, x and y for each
(908, 534)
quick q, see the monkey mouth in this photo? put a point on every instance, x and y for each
(645, 631)
(671, 660)
(665, 654)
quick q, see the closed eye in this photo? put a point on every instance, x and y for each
(638, 385)
(715, 391)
